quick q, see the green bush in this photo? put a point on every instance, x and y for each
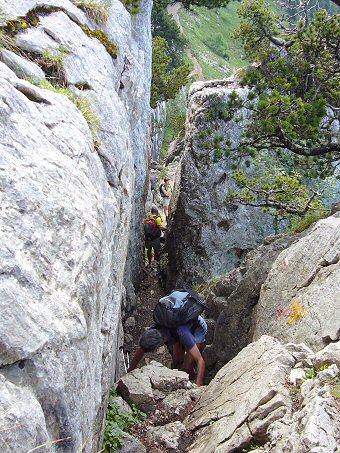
(117, 421)
(132, 6)
(299, 224)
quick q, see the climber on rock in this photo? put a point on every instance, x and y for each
(185, 344)
(165, 190)
(153, 228)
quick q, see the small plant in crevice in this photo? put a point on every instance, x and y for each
(110, 46)
(96, 10)
(311, 374)
(204, 288)
(82, 102)
(52, 63)
(295, 395)
(117, 421)
(132, 6)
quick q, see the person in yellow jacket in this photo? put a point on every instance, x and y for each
(153, 228)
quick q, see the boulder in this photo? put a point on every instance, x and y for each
(169, 436)
(232, 299)
(20, 66)
(243, 399)
(251, 402)
(144, 386)
(122, 404)
(211, 237)
(315, 426)
(181, 401)
(300, 297)
(130, 444)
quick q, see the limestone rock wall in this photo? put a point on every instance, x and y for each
(65, 220)
(211, 237)
(270, 398)
(287, 288)
(299, 300)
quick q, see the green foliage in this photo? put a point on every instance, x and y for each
(83, 104)
(323, 367)
(207, 3)
(165, 83)
(52, 63)
(296, 81)
(110, 46)
(276, 191)
(299, 224)
(55, 88)
(97, 10)
(174, 122)
(164, 26)
(55, 58)
(117, 421)
(217, 45)
(293, 105)
(204, 288)
(209, 35)
(132, 6)
(335, 390)
(311, 374)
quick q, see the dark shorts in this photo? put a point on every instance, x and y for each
(154, 244)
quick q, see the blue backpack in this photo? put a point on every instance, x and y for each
(177, 308)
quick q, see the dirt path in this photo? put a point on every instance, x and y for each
(173, 11)
(148, 296)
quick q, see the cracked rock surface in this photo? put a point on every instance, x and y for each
(66, 207)
(251, 401)
(299, 300)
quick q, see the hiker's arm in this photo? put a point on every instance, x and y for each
(197, 356)
(136, 359)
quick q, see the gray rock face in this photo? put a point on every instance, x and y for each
(232, 299)
(168, 435)
(250, 402)
(22, 68)
(245, 396)
(65, 221)
(210, 237)
(300, 297)
(146, 385)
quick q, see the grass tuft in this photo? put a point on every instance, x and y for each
(98, 11)
(82, 102)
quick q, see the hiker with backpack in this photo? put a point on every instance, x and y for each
(178, 324)
(165, 191)
(153, 227)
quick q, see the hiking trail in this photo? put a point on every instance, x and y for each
(173, 11)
